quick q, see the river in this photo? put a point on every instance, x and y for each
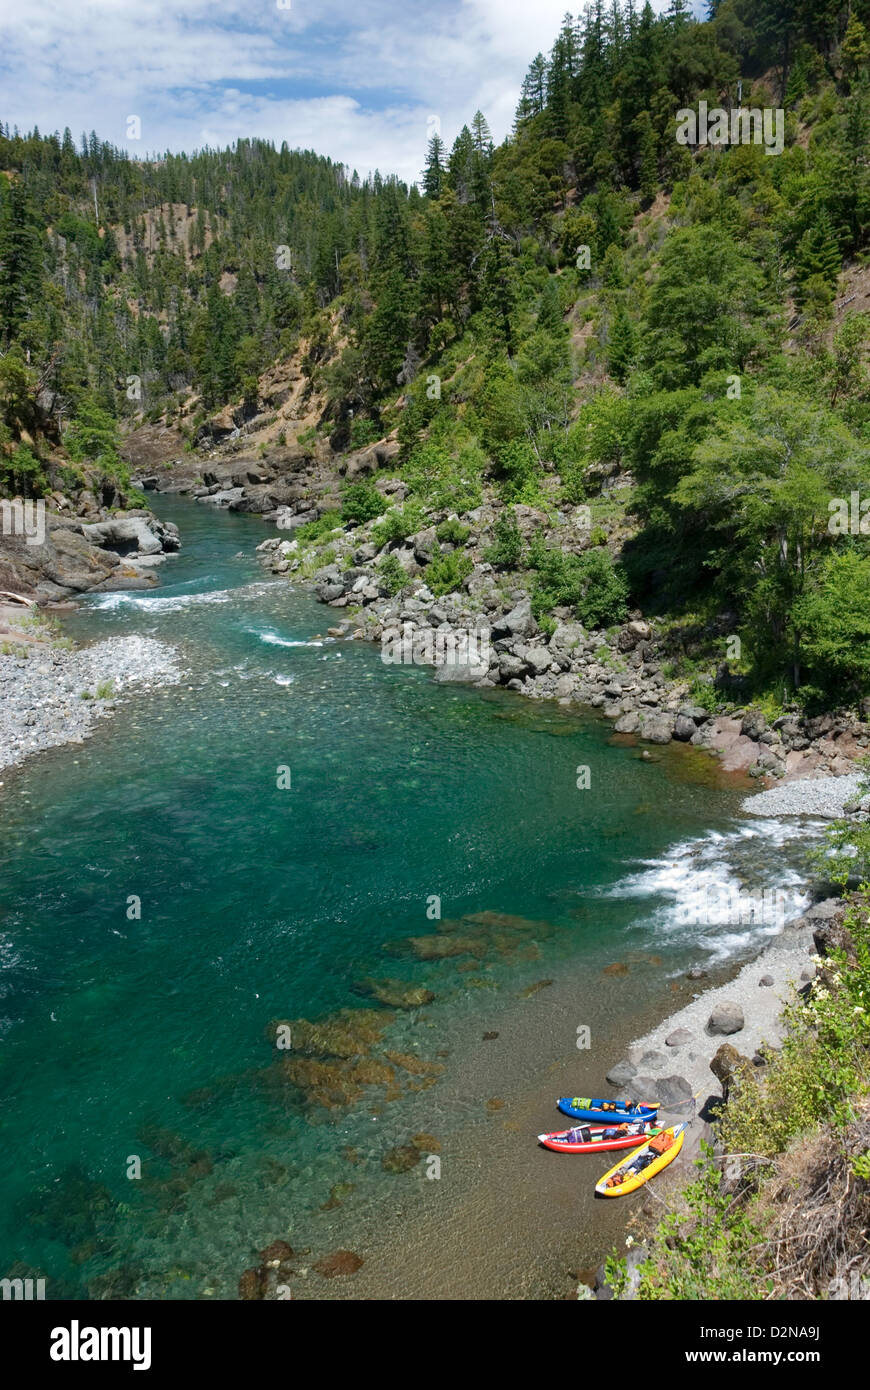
(153, 1142)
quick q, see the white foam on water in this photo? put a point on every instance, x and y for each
(166, 603)
(155, 602)
(272, 639)
(702, 891)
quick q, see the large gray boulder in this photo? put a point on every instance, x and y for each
(726, 1018)
(621, 1074)
(519, 622)
(657, 728)
(124, 535)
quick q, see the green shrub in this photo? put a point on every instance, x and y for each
(361, 502)
(446, 572)
(22, 472)
(452, 532)
(507, 546)
(314, 530)
(398, 523)
(363, 432)
(392, 577)
(590, 583)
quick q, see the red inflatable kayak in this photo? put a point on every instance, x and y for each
(587, 1139)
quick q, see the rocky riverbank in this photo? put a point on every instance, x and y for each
(91, 552)
(486, 634)
(52, 696)
(693, 1057)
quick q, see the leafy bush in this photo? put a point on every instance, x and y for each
(361, 502)
(452, 532)
(835, 624)
(444, 478)
(314, 530)
(22, 472)
(392, 577)
(398, 523)
(590, 583)
(446, 572)
(363, 432)
(93, 437)
(507, 546)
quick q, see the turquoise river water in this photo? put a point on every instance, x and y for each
(126, 1040)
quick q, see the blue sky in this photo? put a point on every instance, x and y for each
(356, 81)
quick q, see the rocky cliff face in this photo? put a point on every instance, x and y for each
(73, 556)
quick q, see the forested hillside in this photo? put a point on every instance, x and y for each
(590, 303)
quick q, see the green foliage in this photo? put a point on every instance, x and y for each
(363, 432)
(590, 583)
(93, 437)
(361, 502)
(452, 532)
(21, 472)
(446, 573)
(398, 523)
(315, 530)
(447, 475)
(833, 620)
(391, 575)
(507, 546)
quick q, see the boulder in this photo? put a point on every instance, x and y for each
(459, 671)
(654, 1061)
(657, 728)
(539, 659)
(684, 728)
(834, 935)
(726, 1018)
(753, 724)
(124, 536)
(621, 1074)
(728, 1066)
(678, 1038)
(519, 622)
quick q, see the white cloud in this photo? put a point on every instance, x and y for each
(353, 82)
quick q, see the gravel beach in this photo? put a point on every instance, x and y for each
(807, 796)
(41, 695)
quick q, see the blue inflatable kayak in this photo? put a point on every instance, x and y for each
(606, 1111)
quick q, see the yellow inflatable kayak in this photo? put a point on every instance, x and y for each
(631, 1173)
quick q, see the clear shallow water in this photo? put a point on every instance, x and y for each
(147, 1038)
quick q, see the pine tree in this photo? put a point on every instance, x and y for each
(20, 259)
(433, 174)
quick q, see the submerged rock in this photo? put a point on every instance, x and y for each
(337, 1264)
(401, 1159)
(621, 1074)
(395, 994)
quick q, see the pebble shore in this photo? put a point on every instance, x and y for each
(44, 696)
(809, 796)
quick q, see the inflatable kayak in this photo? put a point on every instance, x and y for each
(631, 1173)
(607, 1112)
(588, 1139)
